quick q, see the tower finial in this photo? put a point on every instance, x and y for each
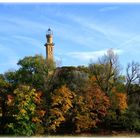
(49, 32)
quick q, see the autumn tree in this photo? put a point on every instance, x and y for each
(61, 102)
(90, 108)
(24, 112)
(37, 72)
(106, 73)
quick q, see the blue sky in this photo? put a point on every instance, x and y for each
(82, 32)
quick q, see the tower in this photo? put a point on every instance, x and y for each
(49, 45)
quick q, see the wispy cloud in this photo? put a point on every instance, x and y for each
(89, 34)
(129, 41)
(86, 56)
(30, 40)
(27, 26)
(17, 24)
(108, 8)
(106, 31)
(102, 36)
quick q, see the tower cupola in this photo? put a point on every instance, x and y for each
(49, 36)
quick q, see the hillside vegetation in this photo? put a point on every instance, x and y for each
(41, 99)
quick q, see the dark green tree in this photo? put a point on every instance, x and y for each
(35, 71)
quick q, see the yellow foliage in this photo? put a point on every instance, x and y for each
(62, 96)
(23, 111)
(61, 103)
(36, 120)
(113, 90)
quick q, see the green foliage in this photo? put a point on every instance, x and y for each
(129, 120)
(24, 111)
(132, 118)
(36, 70)
(11, 77)
(4, 85)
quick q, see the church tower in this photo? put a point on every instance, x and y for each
(49, 45)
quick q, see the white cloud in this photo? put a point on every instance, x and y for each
(86, 56)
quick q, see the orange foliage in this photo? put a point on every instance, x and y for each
(90, 108)
(119, 100)
(10, 99)
(97, 100)
(37, 97)
(122, 101)
(41, 113)
(93, 79)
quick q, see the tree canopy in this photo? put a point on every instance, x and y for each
(40, 99)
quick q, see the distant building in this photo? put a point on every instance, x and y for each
(49, 45)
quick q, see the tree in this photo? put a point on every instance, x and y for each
(35, 71)
(132, 78)
(61, 102)
(90, 108)
(118, 108)
(11, 77)
(131, 120)
(24, 112)
(106, 71)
